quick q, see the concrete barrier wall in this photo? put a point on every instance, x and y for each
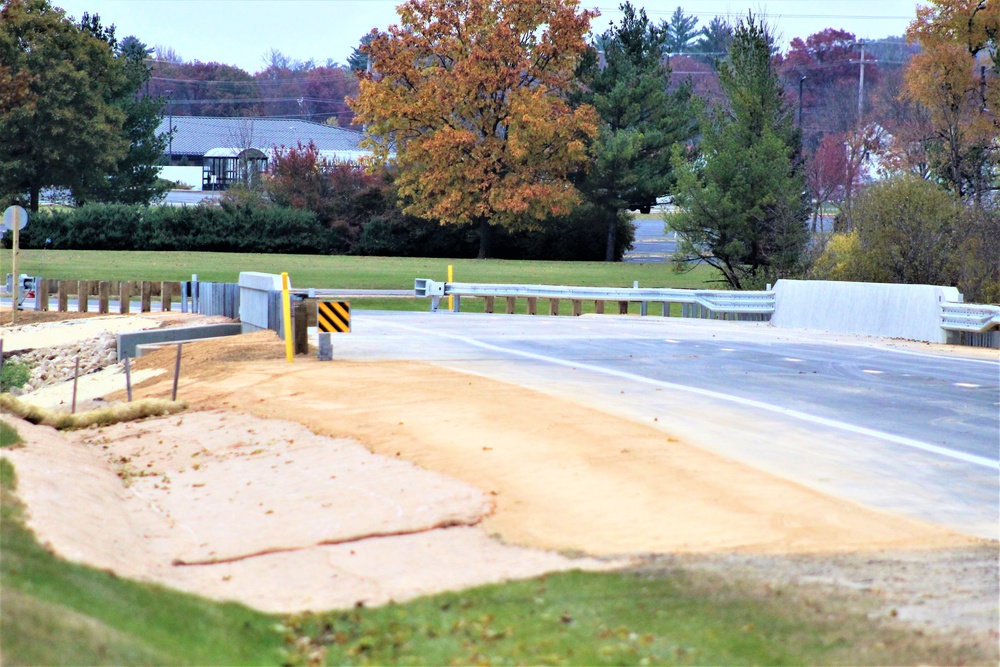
(254, 290)
(873, 309)
(127, 342)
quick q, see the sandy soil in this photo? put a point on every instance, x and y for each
(557, 476)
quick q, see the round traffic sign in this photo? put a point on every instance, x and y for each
(8, 218)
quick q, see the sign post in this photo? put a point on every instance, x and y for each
(14, 218)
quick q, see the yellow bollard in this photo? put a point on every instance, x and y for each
(286, 305)
(451, 277)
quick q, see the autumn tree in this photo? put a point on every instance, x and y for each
(641, 120)
(57, 126)
(742, 194)
(959, 40)
(343, 197)
(468, 100)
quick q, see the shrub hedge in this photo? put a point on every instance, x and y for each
(236, 225)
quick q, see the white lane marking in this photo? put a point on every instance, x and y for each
(967, 385)
(872, 371)
(667, 340)
(813, 419)
(727, 349)
(792, 359)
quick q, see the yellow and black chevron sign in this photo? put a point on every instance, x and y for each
(334, 316)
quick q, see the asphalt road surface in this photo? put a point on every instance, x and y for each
(879, 422)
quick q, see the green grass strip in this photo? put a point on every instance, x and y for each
(339, 271)
(57, 613)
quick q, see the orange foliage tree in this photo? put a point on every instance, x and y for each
(955, 79)
(467, 98)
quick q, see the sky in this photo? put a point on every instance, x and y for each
(241, 32)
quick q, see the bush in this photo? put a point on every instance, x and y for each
(241, 226)
(14, 374)
(579, 236)
(911, 231)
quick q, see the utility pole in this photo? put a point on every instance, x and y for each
(801, 79)
(861, 83)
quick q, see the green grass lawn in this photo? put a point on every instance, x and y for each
(54, 612)
(338, 271)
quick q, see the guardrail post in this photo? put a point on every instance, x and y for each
(643, 308)
(299, 327)
(124, 297)
(623, 307)
(511, 304)
(457, 307)
(599, 307)
(42, 294)
(489, 304)
(666, 308)
(532, 305)
(146, 290)
(83, 296)
(103, 297)
(553, 307)
(63, 289)
(577, 307)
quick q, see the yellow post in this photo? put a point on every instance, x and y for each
(286, 305)
(451, 277)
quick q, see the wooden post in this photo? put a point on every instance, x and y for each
(42, 295)
(511, 304)
(83, 296)
(147, 297)
(166, 292)
(177, 373)
(124, 296)
(599, 307)
(489, 304)
(623, 307)
(532, 305)
(62, 287)
(577, 307)
(300, 327)
(103, 296)
(553, 307)
(76, 377)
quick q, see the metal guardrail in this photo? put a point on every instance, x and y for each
(312, 293)
(972, 317)
(713, 301)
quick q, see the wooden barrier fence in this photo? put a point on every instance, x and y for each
(125, 291)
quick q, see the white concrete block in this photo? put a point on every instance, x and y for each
(874, 309)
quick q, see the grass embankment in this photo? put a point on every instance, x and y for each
(55, 612)
(341, 272)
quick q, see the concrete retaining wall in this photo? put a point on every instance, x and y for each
(873, 309)
(127, 342)
(254, 290)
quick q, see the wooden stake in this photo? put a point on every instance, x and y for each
(128, 379)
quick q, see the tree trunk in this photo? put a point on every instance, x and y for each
(33, 206)
(609, 252)
(485, 239)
